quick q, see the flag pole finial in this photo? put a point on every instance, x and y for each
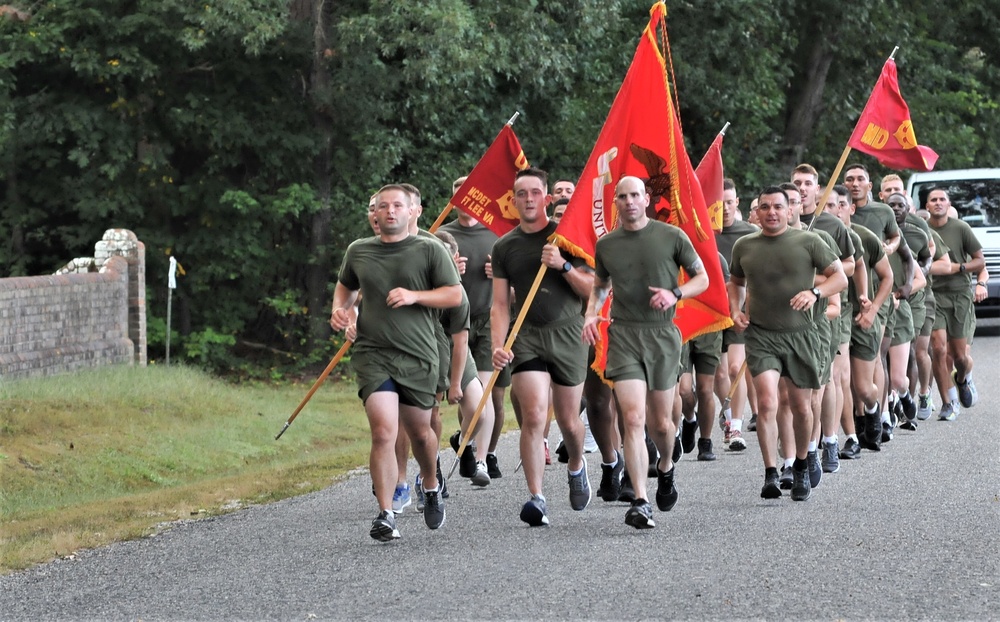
(724, 128)
(513, 118)
(893, 55)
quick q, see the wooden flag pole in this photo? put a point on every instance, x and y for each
(487, 392)
(326, 372)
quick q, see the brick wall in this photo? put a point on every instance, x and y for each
(92, 312)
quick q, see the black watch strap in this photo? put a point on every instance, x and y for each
(567, 267)
(678, 294)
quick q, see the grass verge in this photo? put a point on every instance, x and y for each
(112, 454)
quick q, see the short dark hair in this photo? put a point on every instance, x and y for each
(728, 184)
(400, 187)
(860, 166)
(841, 190)
(926, 194)
(448, 240)
(772, 190)
(808, 169)
(532, 171)
(788, 187)
(411, 190)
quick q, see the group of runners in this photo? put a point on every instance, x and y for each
(843, 317)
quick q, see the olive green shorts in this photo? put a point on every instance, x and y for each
(865, 342)
(930, 314)
(481, 346)
(824, 328)
(845, 322)
(902, 328)
(468, 374)
(649, 352)
(556, 348)
(796, 355)
(702, 354)
(375, 369)
(952, 314)
(732, 336)
(887, 316)
(918, 311)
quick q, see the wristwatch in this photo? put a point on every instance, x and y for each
(961, 268)
(567, 267)
(678, 294)
(980, 284)
(815, 292)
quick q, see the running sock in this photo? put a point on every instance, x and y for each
(953, 394)
(812, 446)
(770, 470)
(789, 462)
(830, 439)
(853, 437)
(611, 464)
(728, 414)
(736, 425)
(874, 409)
(576, 472)
(800, 464)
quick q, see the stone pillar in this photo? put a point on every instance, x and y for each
(123, 243)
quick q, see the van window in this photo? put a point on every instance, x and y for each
(976, 200)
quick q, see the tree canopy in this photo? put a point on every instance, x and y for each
(245, 136)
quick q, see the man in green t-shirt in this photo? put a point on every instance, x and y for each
(548, 353)
(953, 325)
(776, 272)
(642, 260)
(404, 279)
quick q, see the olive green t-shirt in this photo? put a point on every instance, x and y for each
(916, 241)
(873, 252)
(638, 260)
(920, 223)
(374, 267)
(776, 268)
(475, 243)
(961, 243)
(725, 239)
(835, 228)
(517, 256)
(877, 218)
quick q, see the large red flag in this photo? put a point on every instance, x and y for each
(885, 130)
(642, 137)
(488, 194)
(710, 175)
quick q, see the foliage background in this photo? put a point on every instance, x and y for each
(244, 136)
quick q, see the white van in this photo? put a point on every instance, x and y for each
(975, 194)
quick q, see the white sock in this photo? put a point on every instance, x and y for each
(789, 462)
(736, 425)
(830, 439)
(853, 437)
(728, 414)
(812, 446)
(576, 472)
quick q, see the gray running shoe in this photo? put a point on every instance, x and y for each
(384, 527)
(433, 508)
(925, 406)
(640, 515)
(481, 477)
(831, 458)
(800, 486)
(851, 450)
(815, 471)
(534, 512)
(967, 394)
(418, 491)
(948, 412)
(579, 490)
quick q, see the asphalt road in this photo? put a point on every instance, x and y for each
(910, 533)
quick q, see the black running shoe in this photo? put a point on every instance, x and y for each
(752, 424)
(654, 456)
(611, 479)
(770, 489)
(815, 469)
(626, 492)
(454, 440)
(384, 527)
(785, 480)
(872, 439)
(705, 450)
(800, 487)
(562, 454)
(676, 454)
(689, 432)
(467, 462)
(640, 515)
(493, 466)
(666, 493)
(442, 482)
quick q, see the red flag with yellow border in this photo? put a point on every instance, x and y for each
(642, 137)
(488, 194)
(885, 130)
(710, 175)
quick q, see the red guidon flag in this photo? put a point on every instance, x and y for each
(710, 175)
(885, 130)
(488, 194)
(642, 137)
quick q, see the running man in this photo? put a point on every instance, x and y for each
(642, 259)
(404, 279)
